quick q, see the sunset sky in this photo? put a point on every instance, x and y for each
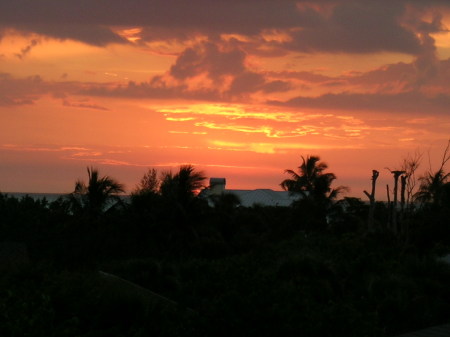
(241, 89)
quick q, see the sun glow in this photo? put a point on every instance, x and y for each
(131, 34)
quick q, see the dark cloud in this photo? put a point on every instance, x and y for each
(425, 71)
(250, 82)
(431, 73)
(242, 85)
(24, 51)
(427, 62)
(276, 86)
(90, 34)
(231, 79)
(174, 17)
(305, 76)
(408, 102)
(208, 58)
(350, 26)
(219, 63)
(442, 80)
(358, 27)
(20, 91)
(220, 15)
(154, 89)
(28, 90)
(84, 104)
(246, 82)
(393, 73)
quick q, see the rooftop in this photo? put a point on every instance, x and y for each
(436, 331)
(250, 198)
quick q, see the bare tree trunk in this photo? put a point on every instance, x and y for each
(394, 206)
(403, 180)
(402, 193)
(371, 196)
(389, 206)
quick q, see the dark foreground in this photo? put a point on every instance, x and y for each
(157, 267)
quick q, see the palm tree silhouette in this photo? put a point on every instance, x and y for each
(179, 191)
(434, 187)
(314, 187)
(310, 181)
(183, 185)
(97, 194)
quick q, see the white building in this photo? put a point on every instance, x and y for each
(250, 198)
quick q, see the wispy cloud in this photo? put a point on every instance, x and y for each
(406, 102)
(272, 148)
(26, 50)
(84, 105)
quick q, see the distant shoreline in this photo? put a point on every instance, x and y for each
(48, 196)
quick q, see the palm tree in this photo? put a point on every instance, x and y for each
(183, 185)
(311, 182)
(97, 194)
(179, 191)
(314, 187)
(434, 186)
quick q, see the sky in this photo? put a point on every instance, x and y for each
(240, 89)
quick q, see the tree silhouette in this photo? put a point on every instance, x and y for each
(311, 181)
(183, 185)
(433, 186)
(371, 196)
(149, 183)
(94, 197)
(314, 187)
(178, 192)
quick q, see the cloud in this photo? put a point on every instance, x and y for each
(24, 51)
(205, 71)
(306, 76)
(83, 104)
(154, 89)
(391, 75)
(427, 61)
(358, 27)
(91, 34)
(27, 90)
(266, 122)
(20, 91)
(35, 148)
(348, 26)
(246, 82)
(241, 16)
(426, 73)
(272, 148)
(208, 58)
(412, 102)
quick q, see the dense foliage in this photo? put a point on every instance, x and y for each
(168, 263)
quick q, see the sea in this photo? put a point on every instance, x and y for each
(50, 197)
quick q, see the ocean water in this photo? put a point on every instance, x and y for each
(50, 197)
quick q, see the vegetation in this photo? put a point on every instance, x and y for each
(311, 181)
(93, 198)
(313, 186)
(169, 263)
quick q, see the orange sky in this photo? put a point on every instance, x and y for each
(239, 89)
